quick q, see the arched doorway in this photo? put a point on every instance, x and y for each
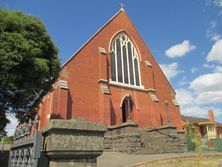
(126, 109)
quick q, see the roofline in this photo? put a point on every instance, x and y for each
(193, 117)
(151, 53)
(84, 44)
(121, 10)
(206, 123)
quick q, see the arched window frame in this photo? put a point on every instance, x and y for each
(113, 52)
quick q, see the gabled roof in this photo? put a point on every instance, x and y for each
(196, 119)
(112, 18)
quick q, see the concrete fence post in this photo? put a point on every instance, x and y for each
(73, 143)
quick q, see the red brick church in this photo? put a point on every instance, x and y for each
(111, 79)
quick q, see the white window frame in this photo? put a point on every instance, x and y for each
(134, 56)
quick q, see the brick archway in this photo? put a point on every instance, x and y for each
(126, 108)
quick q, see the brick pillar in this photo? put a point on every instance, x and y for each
(104, 99)
(63, 99)
(59, 100)
(212, 119)
(211, 116)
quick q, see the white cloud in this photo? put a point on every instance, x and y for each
(218, 3)
(170, 70)
(208, 65)
(207, 82)
(218, 69)
(216, 52)
(188, 104)
(211, 97)
(180, 50)
(203, 93)
(199, 111)
(184, 96)
(183, 81)
(194, 70)
(195, 111)
(208, 88)
(10, 128)
(215, 37)
(213, 24)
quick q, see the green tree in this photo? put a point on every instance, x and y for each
(29, 63)
(3, 122)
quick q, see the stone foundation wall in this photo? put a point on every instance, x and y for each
(123, 138)
(130, 139)
(128, 143)
(162, 140)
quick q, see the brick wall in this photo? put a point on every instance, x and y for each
(88, 66)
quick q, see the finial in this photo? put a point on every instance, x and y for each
(121, 6)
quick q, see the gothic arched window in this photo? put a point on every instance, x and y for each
(124, 61)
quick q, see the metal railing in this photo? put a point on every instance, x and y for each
(26, 148)
(205, 145)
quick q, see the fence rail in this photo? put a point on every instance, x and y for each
(26, 147)
(205, 144)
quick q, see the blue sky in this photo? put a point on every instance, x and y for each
(184, 36)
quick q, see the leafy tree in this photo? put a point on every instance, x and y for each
(6, 140)
(3, 122)
(29, 63)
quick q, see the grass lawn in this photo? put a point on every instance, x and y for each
(209, 161)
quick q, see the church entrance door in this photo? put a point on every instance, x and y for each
(126, 109)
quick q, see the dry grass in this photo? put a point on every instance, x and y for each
(185, 162)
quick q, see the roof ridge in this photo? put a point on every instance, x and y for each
(192, 116)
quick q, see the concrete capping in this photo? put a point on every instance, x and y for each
(181, 132)
(74, 124)
(154, 98)
(17, 143)
(151, 90)
(102, 81)
(148, 64)
(63, 84)
(5, 147)
(125, 124)
(102, 50)
(60, 154)
(139, 88)
(104, 89)
(175, 102)
(122, 135)
(161, 128)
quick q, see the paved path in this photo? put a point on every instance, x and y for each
(111, 159)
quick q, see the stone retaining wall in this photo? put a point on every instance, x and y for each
(128, 143)
(123, 138)
(130, 139)
(162, 140)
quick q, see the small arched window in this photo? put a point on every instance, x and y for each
(124, 61)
